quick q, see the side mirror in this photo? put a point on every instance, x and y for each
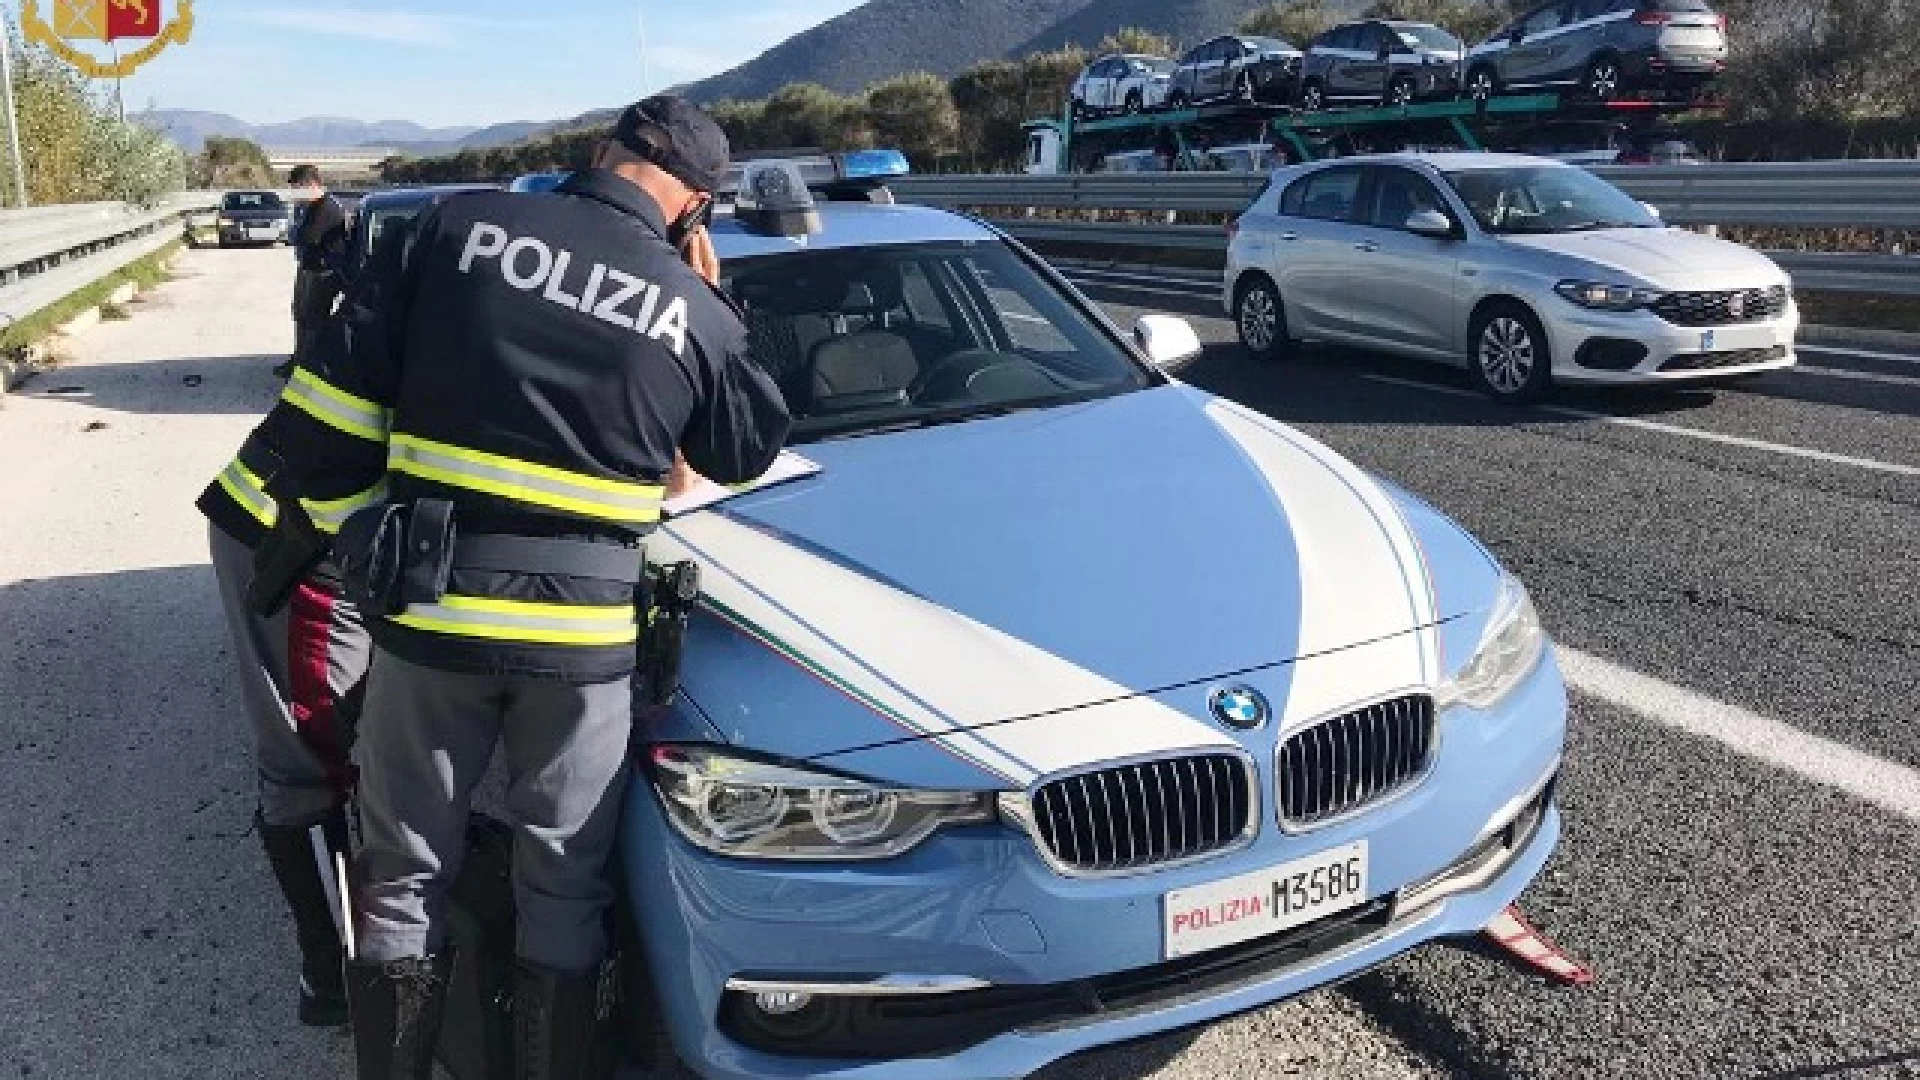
(1518, 33)
(1431, 223)
(1651, 209)
(1166, 339)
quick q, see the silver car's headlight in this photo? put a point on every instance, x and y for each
(741, 806)
(1510, 648)
(1605, 297)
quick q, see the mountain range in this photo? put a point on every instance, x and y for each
(887, 37)
(191, 129)
(876, 40)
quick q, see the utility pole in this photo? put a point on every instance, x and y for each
(13, 115)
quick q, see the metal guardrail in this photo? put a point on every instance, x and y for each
(1890, 275)
(48, 253)
(1816, 194)
(1810, 194)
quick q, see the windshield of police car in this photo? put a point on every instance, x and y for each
(1546, 199)
(874, 339)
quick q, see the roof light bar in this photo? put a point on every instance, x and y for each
(773, 198)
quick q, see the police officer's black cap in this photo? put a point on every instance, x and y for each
(673, 133)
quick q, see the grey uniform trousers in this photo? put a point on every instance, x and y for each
(426, 738)
(294, 668)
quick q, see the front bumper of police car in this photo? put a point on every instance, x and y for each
(949, 944)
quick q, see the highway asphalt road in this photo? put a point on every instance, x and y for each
(1731, 575)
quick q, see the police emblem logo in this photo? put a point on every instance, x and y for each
(77, 22)
(1241, 708)
(1737, 306)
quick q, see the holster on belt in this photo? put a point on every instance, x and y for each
(290, 552)
(291, 548)
(668, 595)
(397, 554)
(369, 552)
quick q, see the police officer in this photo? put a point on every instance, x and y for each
(542, 362)
(319, 237)
(301, 648)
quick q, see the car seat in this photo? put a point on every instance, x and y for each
(787, 314)
(869, 367)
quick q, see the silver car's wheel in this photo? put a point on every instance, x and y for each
(1509, 356)
(1480, 85)
(1603, 78)
(1260, 319)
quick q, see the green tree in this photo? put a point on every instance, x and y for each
(1296, 22)
(808, 114)
(742, 121)
(1132, 39)
(990, 99)
(231, 163)
(914, 113)
(74, 147)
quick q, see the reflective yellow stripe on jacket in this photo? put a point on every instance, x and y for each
(521, 621)
(538, 486)
(335, 407)
(247, 490)
(329, 514)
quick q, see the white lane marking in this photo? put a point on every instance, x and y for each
(1147, 289)
(1891, 467)
(1864, 354)
(1820, 372)
(1176, 279)
(1884, 783)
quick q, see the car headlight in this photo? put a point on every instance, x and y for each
(224, 222)
(1606, 297)
(744, 807)
(1510, 648)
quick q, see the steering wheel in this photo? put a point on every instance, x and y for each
(951, 376)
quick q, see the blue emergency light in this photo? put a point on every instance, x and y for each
(872, 164)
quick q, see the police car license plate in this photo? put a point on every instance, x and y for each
(1238, 909)
(261, 232)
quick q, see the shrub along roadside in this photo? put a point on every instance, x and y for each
(146, 272)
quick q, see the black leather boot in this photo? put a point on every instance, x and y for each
(396, 1016)
(555, 1020)
(298, 867)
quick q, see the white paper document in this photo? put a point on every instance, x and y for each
(788, 466)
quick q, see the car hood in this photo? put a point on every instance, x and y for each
(955, 578)
(1661, 258)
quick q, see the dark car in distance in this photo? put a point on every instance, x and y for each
(252, 217)
(1380, 61)
(1243, 66)
(1607, 49)
(388, 215)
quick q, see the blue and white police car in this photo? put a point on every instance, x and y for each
(1037, 700)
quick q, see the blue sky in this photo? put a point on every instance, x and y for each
(440, 62)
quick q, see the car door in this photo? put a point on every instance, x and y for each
(1534, 59)
(1113, 85)
(1314, 248)
(1366, 69)
(1405, 284)
(1206, 73)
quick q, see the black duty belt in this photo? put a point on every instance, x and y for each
(546, 555)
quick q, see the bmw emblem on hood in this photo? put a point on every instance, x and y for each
(1241, 708)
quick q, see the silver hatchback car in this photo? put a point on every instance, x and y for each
(1527, 271)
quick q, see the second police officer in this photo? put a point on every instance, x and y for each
(537, 369)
